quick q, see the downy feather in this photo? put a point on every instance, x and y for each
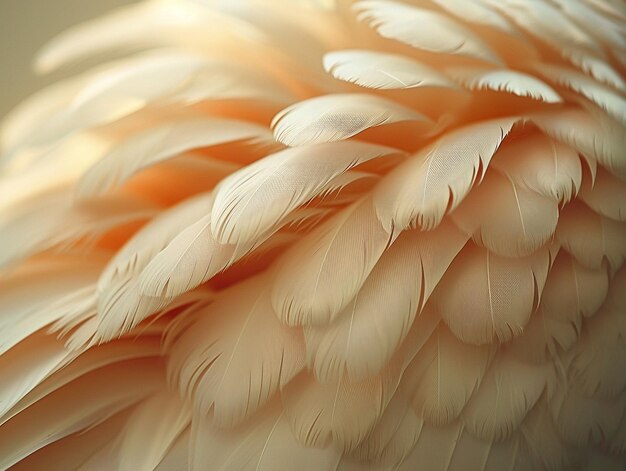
(450, 373)
(120, 303)
(165, 416)
(606, 195)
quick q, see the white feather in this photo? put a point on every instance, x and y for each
(331, 118)
(163, 142)
(384, 71)
(423, 29)
(234, 355)
(436, 179)
(318, 276)
(503, 80)
(361, 341)
(258, 197)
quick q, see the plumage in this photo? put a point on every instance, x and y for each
(438, 33)
(330, 267)
(231, 358)
(328, 235)
(332, 118)
(382, 71)
(421, 190)
(508, 81)
(485, 298)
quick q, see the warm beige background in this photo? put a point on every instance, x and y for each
(25, 26)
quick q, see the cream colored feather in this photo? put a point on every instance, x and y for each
(383, 71)
(252, 201)
(362, 340)
(336, 117)
(421, 190)
(319, 275)
(485, 298)
(437, 33)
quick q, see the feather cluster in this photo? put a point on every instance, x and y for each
(339, 235)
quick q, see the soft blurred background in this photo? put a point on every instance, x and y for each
(25, 26)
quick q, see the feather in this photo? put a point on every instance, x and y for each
(583, 420)
(508, 392)
(51, 220)
(588, 286)
(330, 118)
(474, 11)
(120, 304)
(591, 238)
(504, 80)
(165, 416)
(31, 300)
(78, 364)
(135, 25)
(345, 412)
(71, 410)
(258, 197)
(319, 275)
(163, 142)
(361, 341)
(505, 218)
(542, 165)
(340, 413)
(596, 24)
(177, 457)
(75, 451)
(423, 29)
(394, 435)
(451, 371)
(606, 195)
(594, 135)
(605, 98)
(485, 298)
(435, 180)
(266, 443)
(434, 448)
(383, 71)
(234, 355)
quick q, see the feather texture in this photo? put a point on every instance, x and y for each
(438, 177)
(336, 117)
(542, 165)
(318, 276)
(362, 340)
(423, 29)
(507, 219)
(383, 71)
(485, 298)
(253, 200)
(234, 355)
(503, 80)
(161, 143)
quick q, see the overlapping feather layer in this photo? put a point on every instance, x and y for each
(320, 235)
